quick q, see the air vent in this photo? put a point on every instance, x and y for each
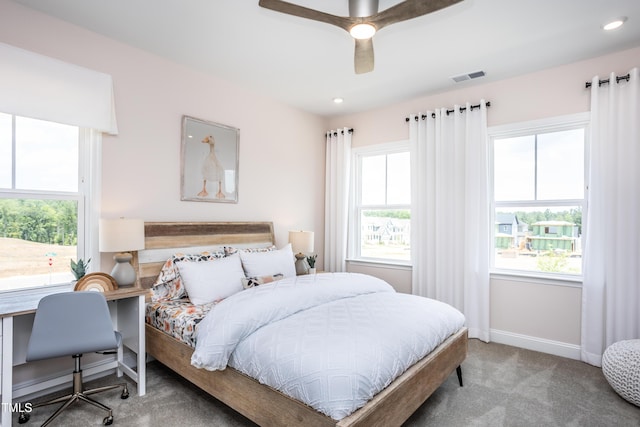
(468, 76)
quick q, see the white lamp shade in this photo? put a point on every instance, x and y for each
(301, 241)
(121, 235)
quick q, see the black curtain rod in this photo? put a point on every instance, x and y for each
(341, 132)
(424, 116)
(587, 85)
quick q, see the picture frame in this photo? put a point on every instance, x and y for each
(209, 161)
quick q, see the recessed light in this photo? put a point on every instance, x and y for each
(338, 100)
(616, 23)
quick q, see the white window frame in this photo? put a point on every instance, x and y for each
(87, 197)
(552, 124)
(354, 255)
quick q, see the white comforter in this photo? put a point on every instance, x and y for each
(332, 341)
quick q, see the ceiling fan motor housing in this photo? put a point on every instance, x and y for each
(362, 8)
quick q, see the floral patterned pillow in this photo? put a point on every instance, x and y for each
(230, 250)
(257, 281)
(168, 285)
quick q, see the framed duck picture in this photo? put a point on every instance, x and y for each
(209, 161)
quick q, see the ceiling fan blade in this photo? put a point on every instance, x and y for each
(304, 12)
(363, 59)
(408, 9)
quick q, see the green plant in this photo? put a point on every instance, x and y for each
(311, 259)
(79, 269)
(553, 262)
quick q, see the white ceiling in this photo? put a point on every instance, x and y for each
(306, 63)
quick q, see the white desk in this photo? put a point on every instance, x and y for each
(127, 305)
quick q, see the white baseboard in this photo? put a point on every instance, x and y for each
(557, 348)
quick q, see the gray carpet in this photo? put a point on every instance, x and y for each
(504, 386)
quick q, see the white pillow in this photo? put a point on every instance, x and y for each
(257, 264)
(213, 280)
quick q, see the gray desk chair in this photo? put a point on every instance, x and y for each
(69, 324)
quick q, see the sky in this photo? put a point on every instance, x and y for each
(560, 171)
(559, 174)
(46, 155)
(394, 169)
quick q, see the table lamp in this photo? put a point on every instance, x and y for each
(122, 236)
(301, 244)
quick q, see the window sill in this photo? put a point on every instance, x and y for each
(380, 264)
(36, 290)
(538, 278)
(24, 299)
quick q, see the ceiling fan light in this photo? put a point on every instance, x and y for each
(362, 31)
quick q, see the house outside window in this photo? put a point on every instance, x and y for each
(44, 182)
(382, 204)
(539, 196)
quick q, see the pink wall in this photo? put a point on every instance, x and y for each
(281, 148)
(553, 92)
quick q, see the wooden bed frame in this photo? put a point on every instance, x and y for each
(262, 404)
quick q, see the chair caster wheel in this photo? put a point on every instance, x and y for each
(125, 393)
(108, 420)
(23, 418)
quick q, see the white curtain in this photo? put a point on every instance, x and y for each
(40, 87)
(338, 172)
(611, 287)
(450, 211)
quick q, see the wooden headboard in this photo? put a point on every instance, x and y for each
(163, 239)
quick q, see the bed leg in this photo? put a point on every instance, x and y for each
(459, 372)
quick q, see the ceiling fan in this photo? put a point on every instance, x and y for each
(363, 20)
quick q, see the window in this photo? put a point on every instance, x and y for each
(539, 196)
(382, 204)
(42, 201)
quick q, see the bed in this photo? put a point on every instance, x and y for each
(260, 403)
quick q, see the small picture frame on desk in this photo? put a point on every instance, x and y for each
(97, 282)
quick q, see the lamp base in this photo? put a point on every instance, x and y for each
(123, 272)
(302, 267)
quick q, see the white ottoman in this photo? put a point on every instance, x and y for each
(621, 367)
